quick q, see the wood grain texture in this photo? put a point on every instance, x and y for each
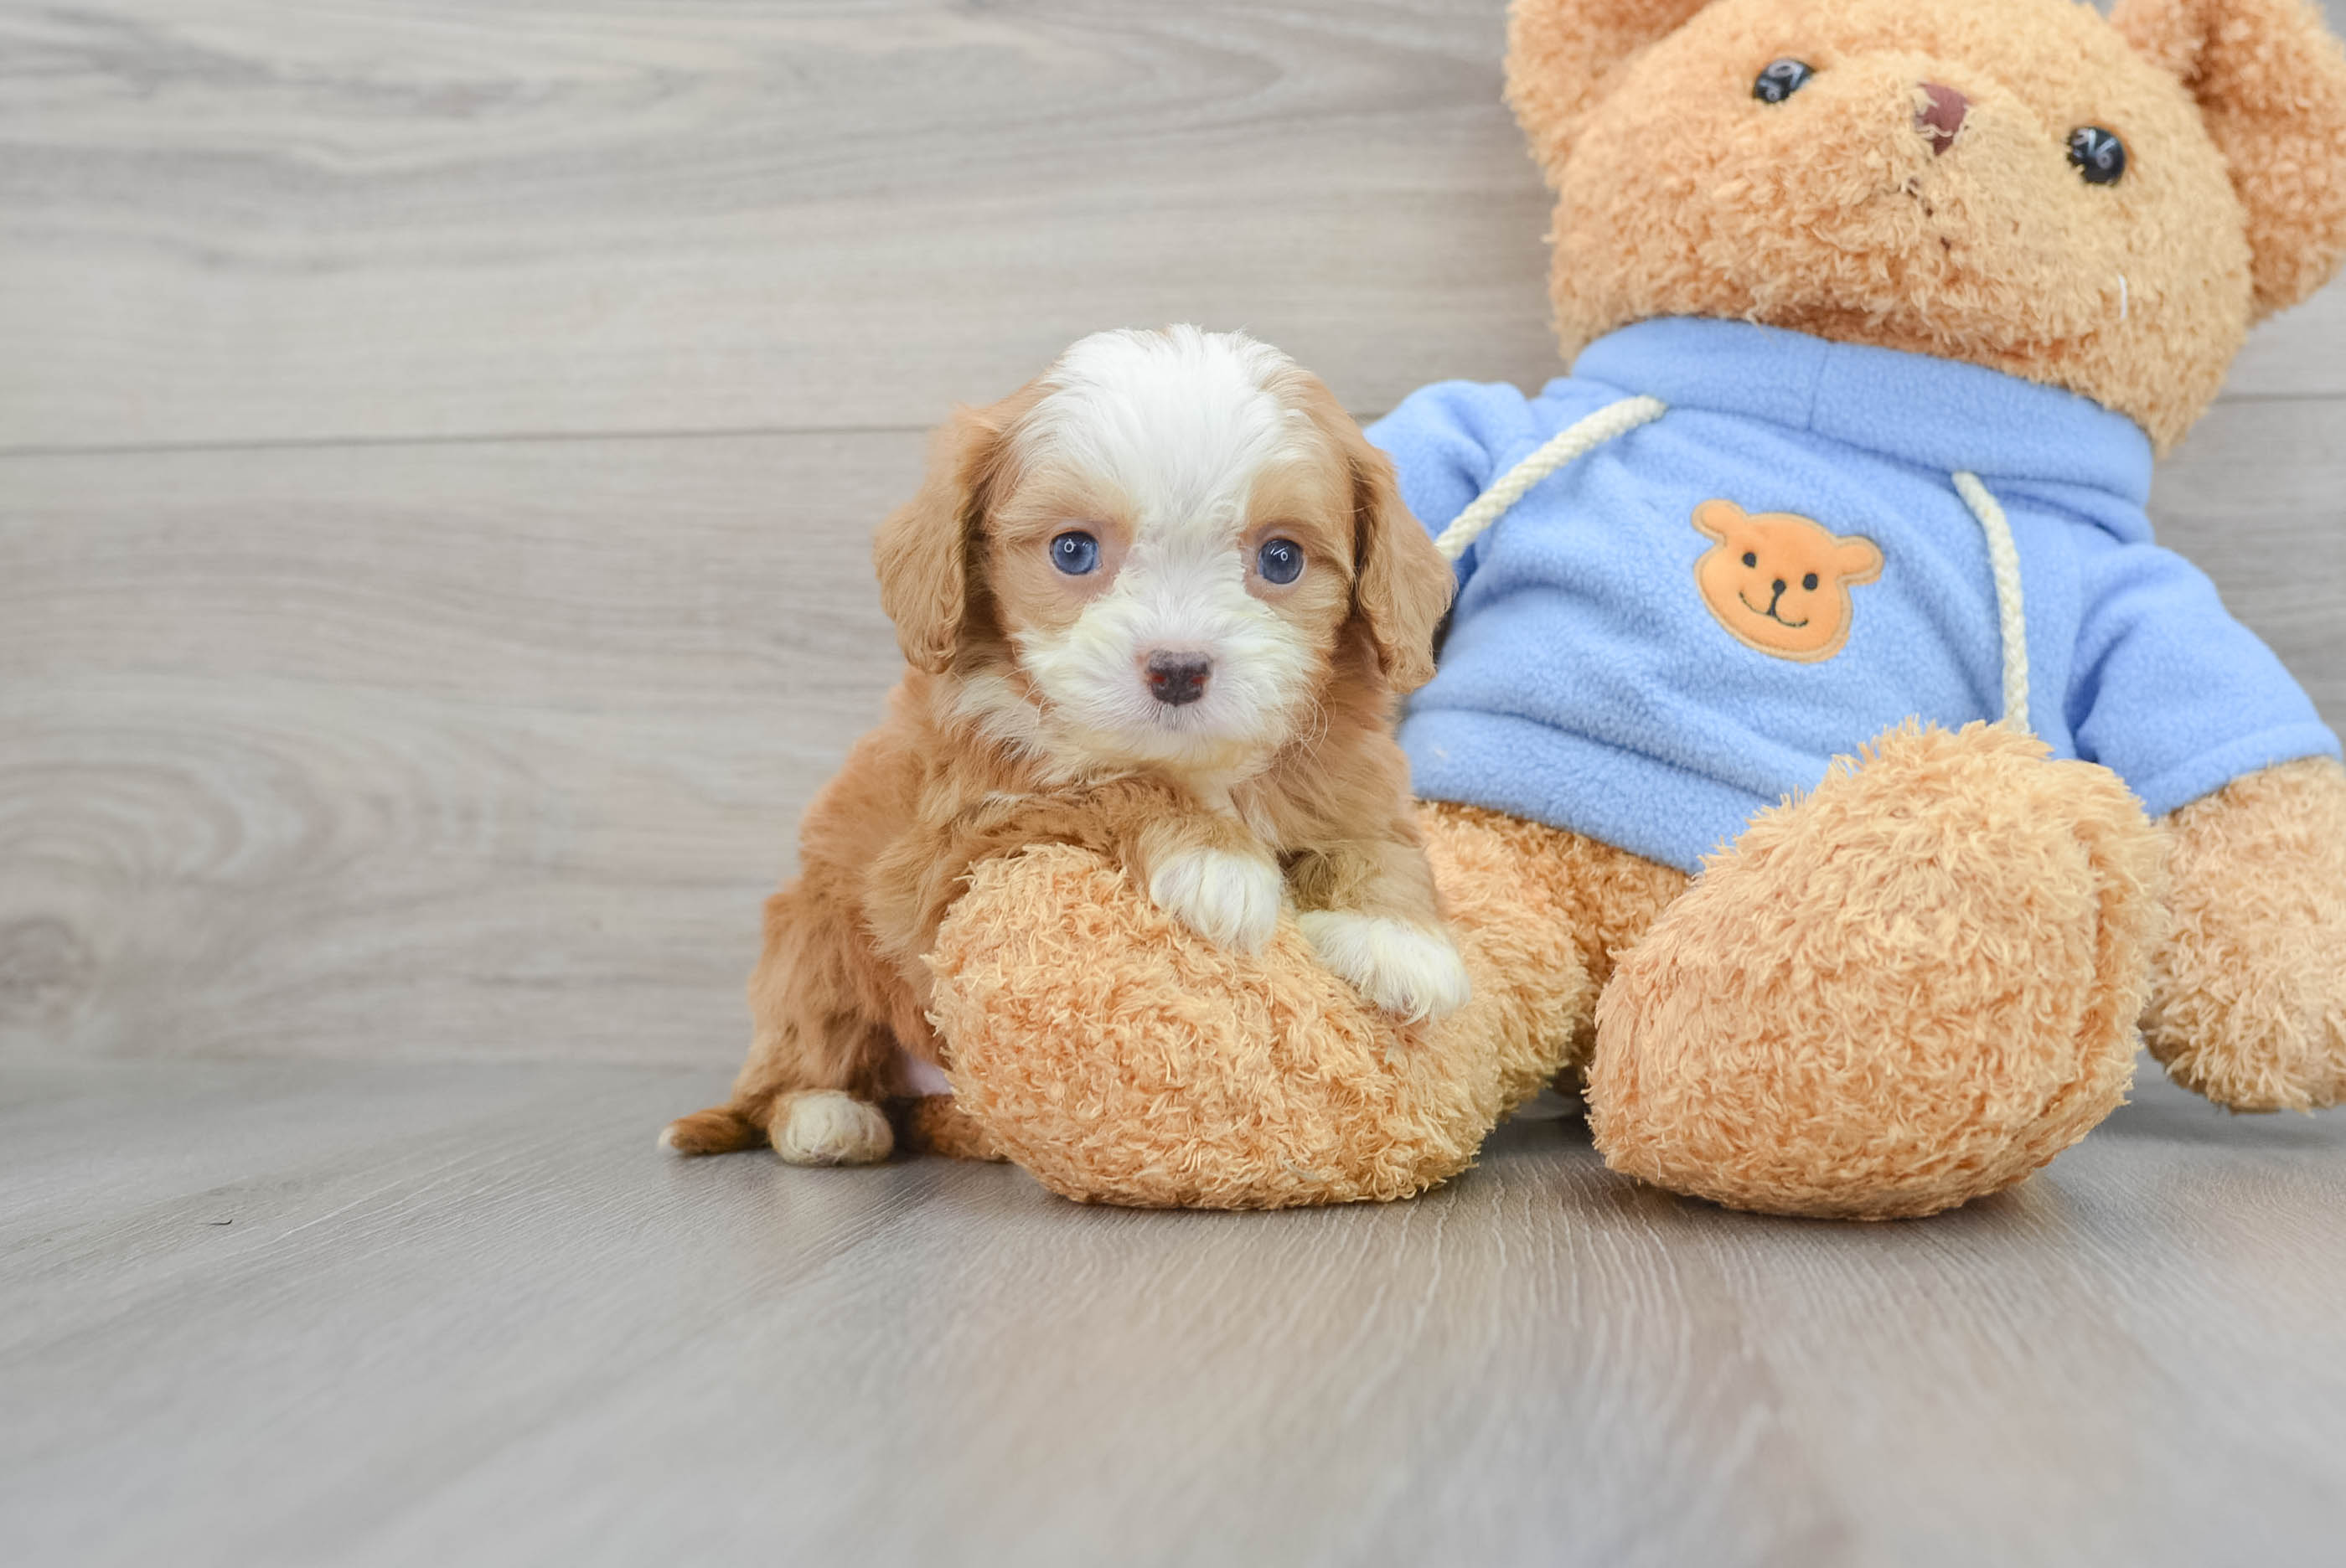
(297, 1313)
(2256, 494)
(432, 750)
(271, 221)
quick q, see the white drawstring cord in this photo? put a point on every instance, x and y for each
(2012, 620)
(1616, 418)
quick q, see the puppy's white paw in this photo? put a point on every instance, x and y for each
(1224, 897)
(1398, 965)
(826, 1127)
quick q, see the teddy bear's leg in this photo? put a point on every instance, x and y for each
(1907, 989)
(2248, 991)
(1123, 1058)
(1604, 897)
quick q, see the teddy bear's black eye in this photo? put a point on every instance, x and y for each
(1780, 80)
(2099, 156)
(1810, 581)
(1749, 559)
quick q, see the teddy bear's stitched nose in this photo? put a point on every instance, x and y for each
(1943, 117)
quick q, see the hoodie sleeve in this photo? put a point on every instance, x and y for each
(1446, 440)
(2172, 694)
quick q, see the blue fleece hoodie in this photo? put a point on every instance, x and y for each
(1588, 682)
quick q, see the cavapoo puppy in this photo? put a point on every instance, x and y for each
(1162, 598)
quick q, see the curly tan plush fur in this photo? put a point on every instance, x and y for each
(1604, 897)
(2249, 999)
(1122, 1059)
(1913, 986)
(1922, 980)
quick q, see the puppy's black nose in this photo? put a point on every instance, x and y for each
(1176, 679)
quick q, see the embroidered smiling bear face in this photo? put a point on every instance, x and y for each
(1780, 582)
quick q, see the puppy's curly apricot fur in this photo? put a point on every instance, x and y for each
(1156, 605)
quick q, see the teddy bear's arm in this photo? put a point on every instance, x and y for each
(2209, 730)
(2167, 690)
(2248, 991)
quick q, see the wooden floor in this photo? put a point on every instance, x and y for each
(306, 1312)
(439, 440)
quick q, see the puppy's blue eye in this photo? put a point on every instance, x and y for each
(1075, 553)
(1280, 561)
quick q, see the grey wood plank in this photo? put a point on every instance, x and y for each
(257, 221)
(433, 751)
(498, 1337)
(205, 1143)
(267, 222)
(2256, 494)
(491, 749)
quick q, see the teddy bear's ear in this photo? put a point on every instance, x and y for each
(1562, 56)
(1717, 519)
(2271, 85)
(1856, 559)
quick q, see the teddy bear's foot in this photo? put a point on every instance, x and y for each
(1122, 1058)
(1907, 990)
(2248, 993)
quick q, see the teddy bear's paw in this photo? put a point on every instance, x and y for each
(1909, 989)
(828, 1127)
(1407, 969)
(2248, 998)
(2257, 1023)
(1223, 895)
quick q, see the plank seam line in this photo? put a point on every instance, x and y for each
(34, 452)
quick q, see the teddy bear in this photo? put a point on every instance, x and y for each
(1824, 770)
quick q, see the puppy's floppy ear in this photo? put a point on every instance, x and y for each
(1563, 56)
(1401, 584)
(2271, 85)
(923, 552)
